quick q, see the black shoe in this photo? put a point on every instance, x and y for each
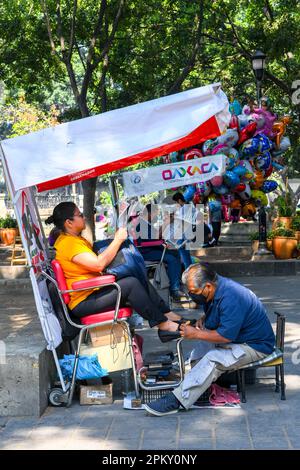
(166, 336)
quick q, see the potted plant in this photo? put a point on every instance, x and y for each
(9, 230)
(284, 243)
(270, 237)
(254, 237)
(284, 211)
(296, 227)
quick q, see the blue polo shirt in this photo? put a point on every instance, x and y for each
(238, 315)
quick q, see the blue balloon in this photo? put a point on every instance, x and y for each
(264, 144)
(221, 189)
(189, 193)
(263, 161)
(249, 148)
(235, 107)
(231, 179)
(239, 170)
(269, 186)
(277, 166)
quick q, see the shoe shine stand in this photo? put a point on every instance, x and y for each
(162, 372)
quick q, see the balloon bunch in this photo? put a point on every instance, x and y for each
(253, 146)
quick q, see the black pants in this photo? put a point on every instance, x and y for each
(147, 304)
(216, 230)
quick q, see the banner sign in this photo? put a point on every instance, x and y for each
(172, 175)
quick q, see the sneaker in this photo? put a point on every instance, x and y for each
(167, 405)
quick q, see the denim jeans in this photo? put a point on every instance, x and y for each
(172, 261)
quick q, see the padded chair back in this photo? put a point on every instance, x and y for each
(60, 279)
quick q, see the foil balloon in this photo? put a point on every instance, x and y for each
(249, 148)
(235, 108)
(260, 196)
(231, 158)
(221, 189)
(193, 153)
(229, 138)
(240, 170)
(257, 180)
(197, 199)
(285, 144)
(189, 193)
(204, 188)
(264, 144)
(220, 148)
(246, 194)
(226, 199)
(216, 181)
(231, 179)
(279, 128)
(277, 166)
(212, 197)
(248, 209)
(208, 146)
(269, 186)
(234, 122)
(249, 170)
(264, 120)
(268, 171)
(262, 162)
(173, 157)
(239, 188)
(247, 132)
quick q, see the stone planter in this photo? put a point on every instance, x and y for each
(297, 235)
(284, 247)
(269, 244)
(255, 244)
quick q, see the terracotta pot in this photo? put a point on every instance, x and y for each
(8, 235)
(255, 244)
(269, 244)
(284, 247)
(285, 221)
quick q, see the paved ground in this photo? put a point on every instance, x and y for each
(264, 422)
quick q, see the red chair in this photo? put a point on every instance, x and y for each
(118, 315)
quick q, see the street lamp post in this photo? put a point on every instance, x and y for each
(258, 66)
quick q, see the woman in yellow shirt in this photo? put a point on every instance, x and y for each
(78, 262)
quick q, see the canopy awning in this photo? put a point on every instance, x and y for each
(78, 150)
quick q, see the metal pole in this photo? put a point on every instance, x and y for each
(258, 84)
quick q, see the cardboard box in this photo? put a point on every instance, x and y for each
(107, 335)
(111, 358)
(96, 394)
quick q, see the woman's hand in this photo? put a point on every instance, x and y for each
(121, 234)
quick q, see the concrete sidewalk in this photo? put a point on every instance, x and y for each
(264, 422)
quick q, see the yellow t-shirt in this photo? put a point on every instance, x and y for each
(67, 246)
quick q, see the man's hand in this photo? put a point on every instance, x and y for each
(200, 323)
(188, 332)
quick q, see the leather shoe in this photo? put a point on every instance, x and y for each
(166, 336)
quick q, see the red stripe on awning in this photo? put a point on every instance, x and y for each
(208, 130)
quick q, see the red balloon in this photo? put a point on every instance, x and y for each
(268, 172)
(197, 198)
(193, 153)
(239, 188)
(247, 132)
(234, 122)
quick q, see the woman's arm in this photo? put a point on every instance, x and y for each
(97, 263)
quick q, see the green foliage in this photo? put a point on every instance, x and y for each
(254, 236)
(296, 224)
(270, 235)
(283, 232)
(8, 222)
(284, 205)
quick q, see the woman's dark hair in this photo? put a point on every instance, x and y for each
(201, 273)
(62, 212)
(178, 197)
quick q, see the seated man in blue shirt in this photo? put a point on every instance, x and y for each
(234, 331)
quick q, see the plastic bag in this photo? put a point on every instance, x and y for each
(88, 367)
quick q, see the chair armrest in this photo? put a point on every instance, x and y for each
(93, 282)
(151, 243)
